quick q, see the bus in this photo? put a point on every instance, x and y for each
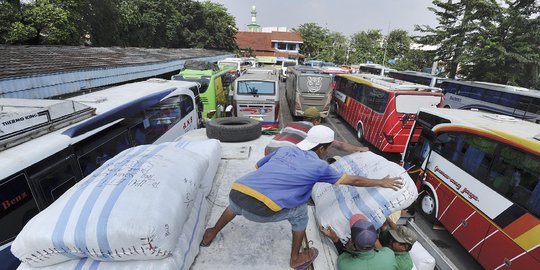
(49, 145)
(308, 86)
(416, 77)
(256, 95)
(381, 109)
(480, 177)
(214, 81)
(509, 100)
(375, 69)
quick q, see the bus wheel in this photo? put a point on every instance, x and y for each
(360, 133)
(233, 129)
(428, 204)
(334, 108)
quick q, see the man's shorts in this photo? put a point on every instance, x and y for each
(298, 217)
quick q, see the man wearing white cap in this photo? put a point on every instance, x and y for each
(281, 186)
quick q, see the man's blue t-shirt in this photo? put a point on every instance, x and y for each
(285, 177)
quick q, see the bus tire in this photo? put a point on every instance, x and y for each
(360, 133)
(334, 108)
(427, 204)
(233, 129)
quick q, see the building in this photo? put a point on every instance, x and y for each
(269, 44)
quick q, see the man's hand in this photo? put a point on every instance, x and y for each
(394, 183)
(329, 232)
(362, 149)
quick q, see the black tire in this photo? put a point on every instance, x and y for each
(427, 204)
(233, 129)
(360, 133)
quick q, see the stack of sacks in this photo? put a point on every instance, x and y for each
(336, 204)
(143, 209)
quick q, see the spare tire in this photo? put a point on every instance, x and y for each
(233, 129)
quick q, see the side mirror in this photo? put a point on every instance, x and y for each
(405, 119)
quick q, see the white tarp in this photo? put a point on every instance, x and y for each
(133, 207)
(336, 204)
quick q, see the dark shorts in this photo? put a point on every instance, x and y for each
(298, 216)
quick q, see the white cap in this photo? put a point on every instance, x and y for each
(316, 135)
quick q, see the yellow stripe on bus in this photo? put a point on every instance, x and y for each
(529, 239)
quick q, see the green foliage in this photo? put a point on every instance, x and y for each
(487, 40)
(315, 39)
(367, 46)
(137, 23)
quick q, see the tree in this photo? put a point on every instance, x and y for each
(315, 39)
(367, 47)
(398, 43)
(43, 22)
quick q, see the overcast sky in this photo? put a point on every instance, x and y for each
(345, 16)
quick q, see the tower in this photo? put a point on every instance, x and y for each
(253, 26)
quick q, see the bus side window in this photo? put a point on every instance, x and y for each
(52, 176)
(186, 105)
(18, 206)
(516, 175)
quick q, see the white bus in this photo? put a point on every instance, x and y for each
(375, 69)
(49, 145)
(479, 176)
(416, 77)
(509, 100)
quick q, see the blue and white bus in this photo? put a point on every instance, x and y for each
(416, 77)
(46, 146)
(509, 100)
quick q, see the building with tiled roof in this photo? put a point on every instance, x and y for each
(271, 44)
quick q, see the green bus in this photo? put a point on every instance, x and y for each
(214, 83)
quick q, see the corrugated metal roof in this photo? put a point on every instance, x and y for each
(46, 71)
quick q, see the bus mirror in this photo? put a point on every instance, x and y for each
(405, 119)
(429, 134)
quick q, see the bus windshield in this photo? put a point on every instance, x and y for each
(256, 88)
(411, 103)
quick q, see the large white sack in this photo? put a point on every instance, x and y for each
(336, 204)
(421, 258)
(209, 148)
(131, 208)
(183, 255)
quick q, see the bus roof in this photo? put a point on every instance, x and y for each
(519, 131)
(259, 75)
(307, 69)
(498, 87)
(387, 83)
(13, 159)
(413, 73)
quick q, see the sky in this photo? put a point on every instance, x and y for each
(344, 16)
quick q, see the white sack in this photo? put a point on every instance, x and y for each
(209, 148)
(336, 204)
(183, 255)
(421, 258)
(131, 208)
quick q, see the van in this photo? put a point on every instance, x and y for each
(282, 65)
(256, 95)
(239, 65)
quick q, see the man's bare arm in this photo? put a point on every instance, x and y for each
(394, 183)
(343, 146)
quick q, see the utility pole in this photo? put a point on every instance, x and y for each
(386, 44)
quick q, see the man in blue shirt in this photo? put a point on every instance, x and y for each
(281, 186)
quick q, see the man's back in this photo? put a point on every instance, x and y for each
(382, 259)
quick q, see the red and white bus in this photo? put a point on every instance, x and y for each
(479, 176)
(382, 110)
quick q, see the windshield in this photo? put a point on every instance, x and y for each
(314, 84)
(289, 64)
(256, 88)
(229, 64)
(204, 81)
(411, 103)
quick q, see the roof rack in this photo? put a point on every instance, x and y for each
(24, 119)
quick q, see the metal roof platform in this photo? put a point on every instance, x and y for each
(48, 71)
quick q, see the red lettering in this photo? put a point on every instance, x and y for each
(6, 204)
(9, 203)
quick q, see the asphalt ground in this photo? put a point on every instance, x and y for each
(442, 239)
